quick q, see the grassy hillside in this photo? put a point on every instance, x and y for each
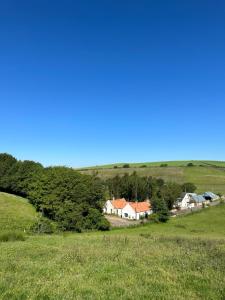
(178, 163)
(184, 259)
(206, 175)
(15, 213)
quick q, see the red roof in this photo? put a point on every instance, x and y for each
(140, 206)
(119, 203)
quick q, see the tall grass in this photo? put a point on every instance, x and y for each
(11, 236)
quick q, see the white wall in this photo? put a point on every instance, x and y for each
(108, 208)
(128, 212)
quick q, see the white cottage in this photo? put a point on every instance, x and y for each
(136, 210)
(128, 210)
(114, 206)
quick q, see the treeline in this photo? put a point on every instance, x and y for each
(61, 194)
(133, 187)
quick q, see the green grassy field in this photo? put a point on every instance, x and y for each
(206, 175)
(178, 163)
(15, 213)
(183, 259)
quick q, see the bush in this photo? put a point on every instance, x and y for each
(43, 225)
(143, 166)
(126, 166)
(104, 225)
(160, 208)
(115, 167)
(190, 165)
(163, 165)
(153, 218)
(12, 236)
(189, 187)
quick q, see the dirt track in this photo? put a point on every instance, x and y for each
(119, 222)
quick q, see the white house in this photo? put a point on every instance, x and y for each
(186, 201)
(114, 206)
(128, 210)
(136, 210)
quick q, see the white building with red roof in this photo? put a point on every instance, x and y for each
(128, 210)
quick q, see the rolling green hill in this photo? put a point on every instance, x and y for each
(15, 213)
(178, 163)
(206, 175)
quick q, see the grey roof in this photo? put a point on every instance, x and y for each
(198, 198)
(210, 194)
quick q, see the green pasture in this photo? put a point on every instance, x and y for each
(182, 259)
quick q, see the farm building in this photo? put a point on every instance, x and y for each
(210, 196)
(190, 200)
(128, 210)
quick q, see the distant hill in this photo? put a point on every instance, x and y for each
(206, 175)
(15, 213)
(177, 163)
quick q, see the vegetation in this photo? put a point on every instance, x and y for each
(160, 210)
(134, 187)
(16, 214)
(11, 236)
(204, 175)
(71, 199)
(184, 258)
(177, 163)
(189, 187)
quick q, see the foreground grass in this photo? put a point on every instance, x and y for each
(182, 259)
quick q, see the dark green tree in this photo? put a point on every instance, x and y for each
(188, 187)
(160, 208)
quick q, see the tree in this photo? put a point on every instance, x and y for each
(126, 166)
(163, 165)
(6, 163)
(189, 187)
(170, 192)
(190, 165)
(160, 208)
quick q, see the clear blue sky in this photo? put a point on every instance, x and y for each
(93, 82)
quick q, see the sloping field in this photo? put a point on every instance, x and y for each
(205, 177)
(184, 259)
(178, 163)
(15, 213)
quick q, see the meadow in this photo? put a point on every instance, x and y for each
(184, 258)
(206, 175)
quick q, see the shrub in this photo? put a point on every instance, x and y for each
(115, 167)
(160, 208)
(153, 218)
(190, 165)
(143, 166)
(43, 225)
(126, 166)
(189, 187)
(163, 165)
(104, 225)
(12, 236)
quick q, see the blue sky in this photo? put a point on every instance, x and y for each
(93, 82)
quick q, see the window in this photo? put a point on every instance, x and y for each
(126, 215)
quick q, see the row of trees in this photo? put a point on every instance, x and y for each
(71, 199)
